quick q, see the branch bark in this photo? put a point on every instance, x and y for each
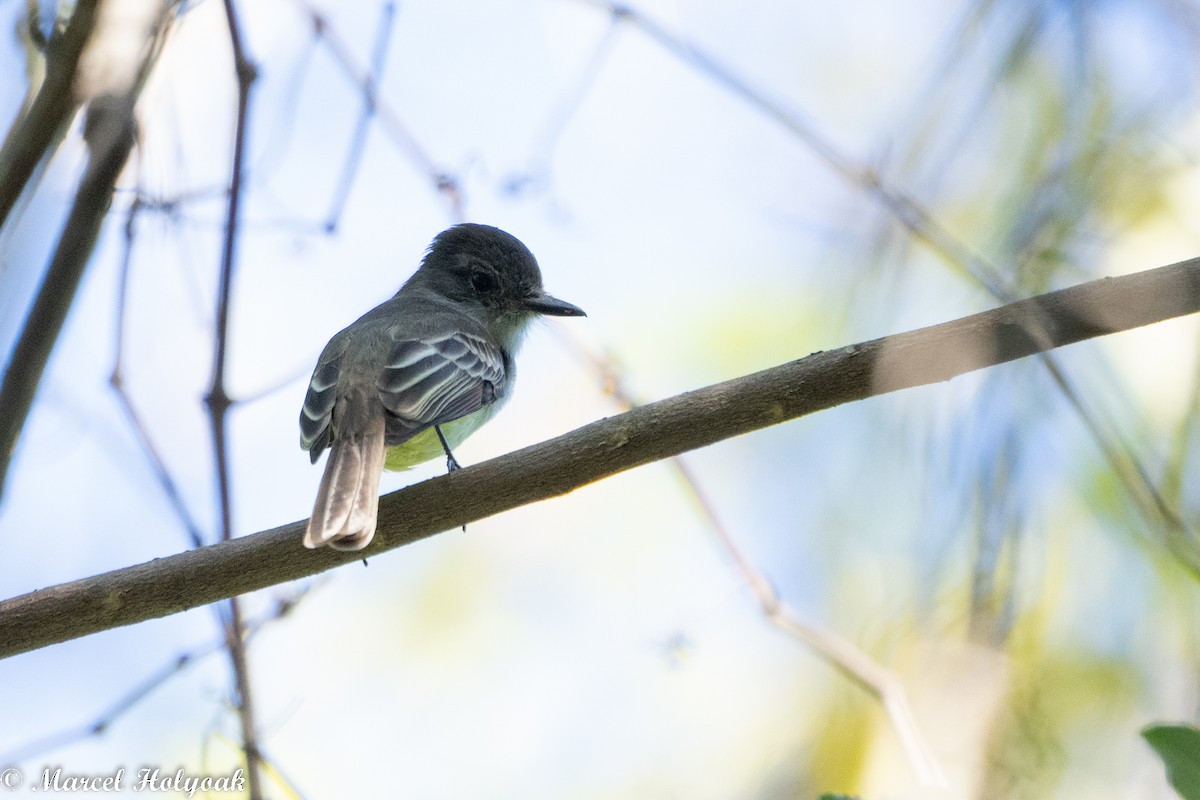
(646, 434)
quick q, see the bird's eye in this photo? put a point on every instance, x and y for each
(483, 283)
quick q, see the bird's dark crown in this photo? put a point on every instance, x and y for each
(479, 263)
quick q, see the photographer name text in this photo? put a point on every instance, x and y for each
(146, 779)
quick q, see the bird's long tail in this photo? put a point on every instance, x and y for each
(344, 515)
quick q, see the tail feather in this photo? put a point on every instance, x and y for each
(344, 514)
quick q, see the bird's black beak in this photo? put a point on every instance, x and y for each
(543, 303)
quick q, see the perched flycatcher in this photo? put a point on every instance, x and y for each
(418, 374)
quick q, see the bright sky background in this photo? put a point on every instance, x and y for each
(599, 645)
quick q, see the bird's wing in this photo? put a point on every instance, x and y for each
(316, 415)
(432, 380)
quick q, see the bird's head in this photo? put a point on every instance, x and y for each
(491, 275)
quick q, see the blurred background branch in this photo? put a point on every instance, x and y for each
(32, 137)
(110, 134)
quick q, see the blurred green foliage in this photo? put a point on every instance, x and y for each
(1179, 748)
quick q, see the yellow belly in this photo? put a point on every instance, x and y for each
(425, 445)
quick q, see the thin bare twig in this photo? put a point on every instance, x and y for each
(358, 141)
(835, 650)
(218, 400)
(119, 708)
(117, 381)
(537, 170)
(393, 126)
(649, 433)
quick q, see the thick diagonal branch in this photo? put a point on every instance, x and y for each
(34, 133)
(110, 136)
(600, 449)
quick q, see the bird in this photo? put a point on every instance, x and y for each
(419, 373)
